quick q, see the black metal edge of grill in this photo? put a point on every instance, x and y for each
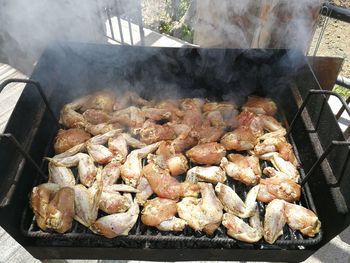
(28, 241)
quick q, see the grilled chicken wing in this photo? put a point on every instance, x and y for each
(282, 165)
(207, 153)
(101, 100)
(252, 121)
(66, 139)
(40, 198)
(60, 175)
(131, 117)
(113, 202)
(131, 141)
(101, 128)
(156, 114)
(166, 186)
(302, 219)
(117, 224)
(173, 224)
(71, 119)
(210, 174)
(240, 230)
(241, 139)
(275, 220)
(171, 106)
(151, 132)
(177, 164)
(111, 173)
(185, 140)
(60, 211)
(192, 112)
(86, 167)
(208, 134)
(158, 210)
(131, 169)
(119, 148)
(202, 214)
(96, 116)
(215, 118)
(233, 204)
(243, 169)
(278, 188)
(145, 191)
(101, 154)
(260, 106)
(270, 123)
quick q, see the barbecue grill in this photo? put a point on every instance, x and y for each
(67, 71)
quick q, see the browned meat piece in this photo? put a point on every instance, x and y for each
(67, 139)
(193, 114)
(171, 106)
(158, 210)
(101, 100)
(210, 134)
(151, 132)
(207, 153)
(166, 186)
(241, 139)
(60, 211)
(102, 128)
(185, 141)
(177, 164)
(260, 105)
(71, 118)
(96, 116)
(252, 121)
(278, 188)
(156, 114)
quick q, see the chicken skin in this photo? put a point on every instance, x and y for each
(207, 153)
(96, 116)
(151, 132)
(145, 191)
(241, 139)
(40, 199)
(203, 214)
(60, 211)
(158, 210)
(60, 175)
(245, 169)
(278, 188)
(242, 231)
(275, 220)
(66, 139)
(210, 174)
(302, 219)
(117, 224)
(260, 105)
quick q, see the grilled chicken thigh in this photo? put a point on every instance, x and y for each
(117, 224)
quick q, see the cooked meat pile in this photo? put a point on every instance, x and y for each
(168, 162)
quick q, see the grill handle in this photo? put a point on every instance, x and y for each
(20, 148)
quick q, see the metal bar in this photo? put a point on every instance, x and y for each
(339, 179)
(130, 32)
(337, 12)
(110, 22)
(326, 10)
(316, 92)
(340, 112)
(322, 157)
(19, 147)
(120, 24)
(40, 90)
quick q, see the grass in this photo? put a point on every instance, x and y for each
(344, 92)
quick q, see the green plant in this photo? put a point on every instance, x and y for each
(344, 92)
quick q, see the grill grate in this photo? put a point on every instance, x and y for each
(142, 236)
